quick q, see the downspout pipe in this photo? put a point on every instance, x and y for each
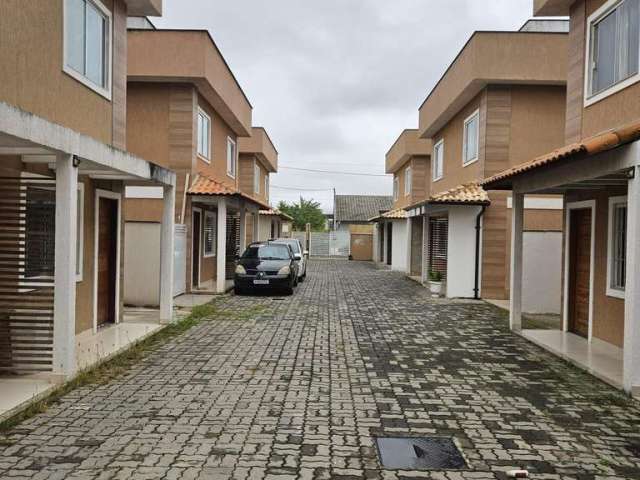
(476, 287)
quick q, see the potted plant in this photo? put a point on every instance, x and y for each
(435, 282)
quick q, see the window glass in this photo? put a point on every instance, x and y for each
(407, 181)
(438, 159)
(271, 251)
(231, 157)
(256, 178)
(95, 28)
(471, 139)
(204, 133)
(395, 188)
(619, 247)
(74, 34)
(209, 233)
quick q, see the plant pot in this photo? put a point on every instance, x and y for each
(435, 287)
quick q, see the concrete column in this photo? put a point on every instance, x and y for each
(243, 227)
(408, 246)
(631, 355)
(517, 224)
(66, 238)
(167, 238)
(425, 239)
(221, 249)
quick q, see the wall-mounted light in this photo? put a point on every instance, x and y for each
(76, 161)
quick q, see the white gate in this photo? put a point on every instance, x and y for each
(180, 260)
(326, 244)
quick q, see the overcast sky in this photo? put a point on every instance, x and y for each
(335, 81)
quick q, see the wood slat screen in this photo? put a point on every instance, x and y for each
(233, 243)
(438, 235)
(27, 254)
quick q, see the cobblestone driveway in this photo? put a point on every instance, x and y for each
(300, 387)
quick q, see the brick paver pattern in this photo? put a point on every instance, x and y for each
(300, 387)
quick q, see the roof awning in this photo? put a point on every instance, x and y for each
(471, 194)
(599, 143)
(208, 187)
(274, 212)
(395, 214)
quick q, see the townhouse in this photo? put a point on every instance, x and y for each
(187, 111)
(65, 165)
(396, 234)
(501, 101)
(597, 171)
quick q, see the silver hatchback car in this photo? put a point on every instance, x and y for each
(299, 254)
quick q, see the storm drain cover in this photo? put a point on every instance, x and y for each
(430, 453)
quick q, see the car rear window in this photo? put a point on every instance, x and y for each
(294, 245)
(268, 252)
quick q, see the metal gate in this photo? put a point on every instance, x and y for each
(180, 260)
(326, 244)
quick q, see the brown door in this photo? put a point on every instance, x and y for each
(362, 247)
(579, 271)
(195, 254)
(107, 260)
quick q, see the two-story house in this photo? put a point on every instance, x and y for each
(399, 239)
(188, 112)
(65, 165)
(501, 101)
(597, 170)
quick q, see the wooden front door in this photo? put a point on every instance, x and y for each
(195, 253)
(362, 247)
(579, 271)
(389, 242)
(107, 260)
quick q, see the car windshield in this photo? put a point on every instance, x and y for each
(292, 243)
(268, 252)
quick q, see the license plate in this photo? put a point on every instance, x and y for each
(261, 282)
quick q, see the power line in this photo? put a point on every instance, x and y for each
(335, 172)
(301, 189)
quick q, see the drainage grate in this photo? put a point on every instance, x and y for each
(430, 453)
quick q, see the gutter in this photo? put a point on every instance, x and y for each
(476, 285)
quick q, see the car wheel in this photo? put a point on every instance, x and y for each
(238, 291)
(301, 279)
(288, 291)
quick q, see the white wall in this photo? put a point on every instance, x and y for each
(399, 250)
(461, 255)
(141, 265)
(542, 272)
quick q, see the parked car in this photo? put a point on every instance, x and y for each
(266, 266)
(299, 254)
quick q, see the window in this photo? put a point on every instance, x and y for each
(231, 158)
(396, 185)
(471, 139)
(204, 135)
(266, 186)
(256, 177)
(87, 44)
(614, 48)
(209, 230)
(617, 247)
(437, 161)
(407, 181)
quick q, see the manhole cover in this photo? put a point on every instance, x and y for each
(431, 453)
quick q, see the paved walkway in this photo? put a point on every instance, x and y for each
(300, 387)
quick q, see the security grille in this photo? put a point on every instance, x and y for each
(438, 235)
(233, 243)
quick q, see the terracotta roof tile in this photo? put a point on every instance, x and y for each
(274, 212)
(468, 193)
(203, 185)
(395, 214)
(590, 146)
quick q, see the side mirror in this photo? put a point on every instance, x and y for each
(297, 256)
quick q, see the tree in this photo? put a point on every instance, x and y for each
(303, 212)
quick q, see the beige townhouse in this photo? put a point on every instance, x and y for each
(188, 112)
(597, 171)
(65, 165)
(396, 234)
(501, 101)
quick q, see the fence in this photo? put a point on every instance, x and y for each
(325, 244)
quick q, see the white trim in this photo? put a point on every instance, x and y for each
(205, 158)
(80, 233)
(199, 210)
(235, 159)
(408, 179)
(396, 188)
(539, 203)
(435, 161)
(202, 224)
(467, 121)
(105, 92)
(588, 204)
(612, 292)
(256, 177)
(155, 193)
(599, 14)
(96, 231)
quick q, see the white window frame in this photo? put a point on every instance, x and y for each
(593, 19)
(613, 202)
(474, 116)
(205, 215)
(408, 180)
(256, 177)
(396, 188)
(206, 158)
(234, 163)
(266, 186)
(66, 68)
(434, 161)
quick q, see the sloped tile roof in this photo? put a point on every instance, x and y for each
(274, 212)
(360, 208)
(470, 193)
(204, 185)
(395, 214)
(599, 143)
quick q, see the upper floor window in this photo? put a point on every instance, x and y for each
(617, 248)
(88, 44)
(407, 181)
(471, 139)
(437, 161)
(396, 187)
(204, 135)
(614, 49)
(256, 177)
(266, 186)
(232, 158)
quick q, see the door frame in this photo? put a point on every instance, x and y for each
(585, 205)
(96, 231)
(201, 213)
